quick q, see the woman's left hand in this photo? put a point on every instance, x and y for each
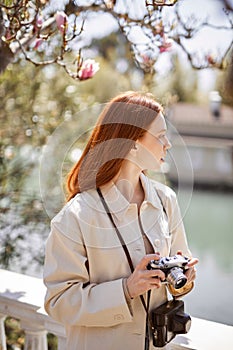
(191, 272)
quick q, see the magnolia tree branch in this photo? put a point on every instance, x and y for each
(211, 59)
(24, 30)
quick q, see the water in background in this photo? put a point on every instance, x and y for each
(209, 228)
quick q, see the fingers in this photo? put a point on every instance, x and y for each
(191, 274)
(148, 279)
(155, 274)
(142, 279)
(191, 271)
(145, 261)
(155, 283)
(192, 262)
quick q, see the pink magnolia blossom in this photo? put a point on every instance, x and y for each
(88, 69)
(159, 28)
(211, 59)
(166, 45)
(61, 20)
(38, 23)
(38, 42)
(8, 36)
(146, 59)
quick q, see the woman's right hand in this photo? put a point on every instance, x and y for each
(142, 279)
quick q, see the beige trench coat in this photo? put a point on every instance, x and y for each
(85, 265)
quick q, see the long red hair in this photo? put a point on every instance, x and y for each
(123, 121)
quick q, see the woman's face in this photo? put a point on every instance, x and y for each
(153, 145)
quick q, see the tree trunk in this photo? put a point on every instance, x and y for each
(6, 55)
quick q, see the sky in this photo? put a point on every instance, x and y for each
(209, 10)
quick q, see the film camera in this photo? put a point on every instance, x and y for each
(173, 267)
(168, 320)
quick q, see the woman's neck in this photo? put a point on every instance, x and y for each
(129, 184)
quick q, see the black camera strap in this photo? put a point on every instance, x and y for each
(124, 246)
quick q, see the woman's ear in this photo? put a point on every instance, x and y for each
(132, 155)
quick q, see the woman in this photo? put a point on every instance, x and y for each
(112, 204)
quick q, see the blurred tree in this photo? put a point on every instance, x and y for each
(33, 103)
(180, 84)
(224, 83)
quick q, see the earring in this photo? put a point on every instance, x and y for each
(135, 146)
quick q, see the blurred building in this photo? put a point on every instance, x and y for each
(202, 136)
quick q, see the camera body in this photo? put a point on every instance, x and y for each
(168, 320)
(173, 267)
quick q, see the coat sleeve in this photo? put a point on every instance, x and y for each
(71, 299)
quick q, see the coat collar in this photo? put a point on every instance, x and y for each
(119, 205)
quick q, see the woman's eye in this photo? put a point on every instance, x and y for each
(162, 135)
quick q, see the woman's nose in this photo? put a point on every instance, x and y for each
(168, 144)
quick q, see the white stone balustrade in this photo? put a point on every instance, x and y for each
(22, 297)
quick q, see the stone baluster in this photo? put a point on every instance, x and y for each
(2, 332)
(61, 342)
(35, 337)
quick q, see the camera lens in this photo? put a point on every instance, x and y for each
(176, 278)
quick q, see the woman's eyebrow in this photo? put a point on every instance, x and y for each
(161, 131)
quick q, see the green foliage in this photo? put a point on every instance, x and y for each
(179, 84)
(33, 103)
(224, 84)
(16, 337)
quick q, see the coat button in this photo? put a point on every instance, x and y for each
(157, 243)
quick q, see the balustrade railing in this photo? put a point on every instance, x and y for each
(22, 297)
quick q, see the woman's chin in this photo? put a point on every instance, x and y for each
(157, 167)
